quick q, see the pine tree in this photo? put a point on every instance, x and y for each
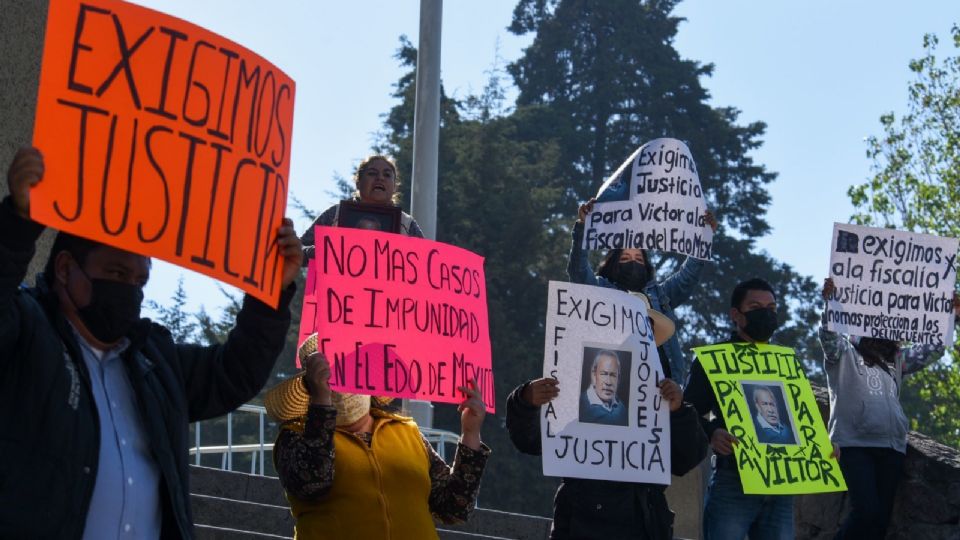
(173, 316)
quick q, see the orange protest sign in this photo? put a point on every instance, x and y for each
(165, 139)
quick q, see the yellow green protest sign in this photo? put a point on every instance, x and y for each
(767, 404)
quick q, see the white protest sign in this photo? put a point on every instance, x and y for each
(892, 284)
(653, 201)
(609, 421)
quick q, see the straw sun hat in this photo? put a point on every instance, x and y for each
(289, 400)
(663, 327)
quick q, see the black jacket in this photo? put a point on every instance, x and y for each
(699, 393)
(600, 509)
(49, 427)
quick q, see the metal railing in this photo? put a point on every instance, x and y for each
(228, 450)
(438, 438)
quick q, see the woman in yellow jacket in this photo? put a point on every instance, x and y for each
(355, 471)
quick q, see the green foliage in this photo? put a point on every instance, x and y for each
(931, 402)
(916, 162)
(916, 186)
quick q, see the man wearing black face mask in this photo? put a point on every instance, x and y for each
(95, 401)
(729, 514)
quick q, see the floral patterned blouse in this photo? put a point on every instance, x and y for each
(305, 465)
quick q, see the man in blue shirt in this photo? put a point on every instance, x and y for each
(599, 403)
(770, 429)
(95, 402)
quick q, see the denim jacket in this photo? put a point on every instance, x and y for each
(664, 295)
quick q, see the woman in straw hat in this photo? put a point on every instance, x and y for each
(355, 471)
(600, 509)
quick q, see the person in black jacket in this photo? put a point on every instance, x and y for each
(729, 514)
(95, 401)
(600, 509)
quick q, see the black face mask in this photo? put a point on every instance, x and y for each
(875, 350)
(113, 309)
(761, 323)
(631, 275)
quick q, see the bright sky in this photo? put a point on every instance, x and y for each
(818, 73)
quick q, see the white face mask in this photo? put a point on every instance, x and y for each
(350, 407)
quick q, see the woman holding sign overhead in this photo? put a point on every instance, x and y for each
(352, 470)
(631, 270)
(866, 420)
(376, 181)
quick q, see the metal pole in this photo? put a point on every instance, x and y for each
(196, 431)
(426, 119)
(426, 142)
(229, 441)
(260, 414)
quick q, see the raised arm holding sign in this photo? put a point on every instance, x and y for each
(630, 269)
(126, 389)
(164, 139)
(864, 377)
(891, 284)
(399, 316)
(653, 201)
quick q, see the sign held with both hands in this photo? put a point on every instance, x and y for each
(164, 139)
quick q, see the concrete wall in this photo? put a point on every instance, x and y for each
(927, 506)
(22, 25)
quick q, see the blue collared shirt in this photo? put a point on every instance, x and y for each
(126, 496)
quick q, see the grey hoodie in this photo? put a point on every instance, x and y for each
(865, 406)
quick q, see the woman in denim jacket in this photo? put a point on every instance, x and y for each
(631, 270)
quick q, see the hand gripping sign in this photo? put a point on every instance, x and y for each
(399, 316)
(767, 404)
(653, 201)
(165, 139)
(609, 421)
(892, 284)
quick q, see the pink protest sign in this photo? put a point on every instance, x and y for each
(399, 316)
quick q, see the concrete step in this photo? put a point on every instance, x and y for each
(242, 515)
(207, 532)
(505, 524)
(236, 485)
(218, 499)
(446, 534)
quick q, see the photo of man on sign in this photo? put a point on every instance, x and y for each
(771, 416)
(602, 400)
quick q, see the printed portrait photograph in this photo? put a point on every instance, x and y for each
(618, 189)
(605, 386)
(772, 418)
(357, 215)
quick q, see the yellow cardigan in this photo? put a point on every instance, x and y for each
(379, 492)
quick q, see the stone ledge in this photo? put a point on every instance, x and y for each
(927, 506)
